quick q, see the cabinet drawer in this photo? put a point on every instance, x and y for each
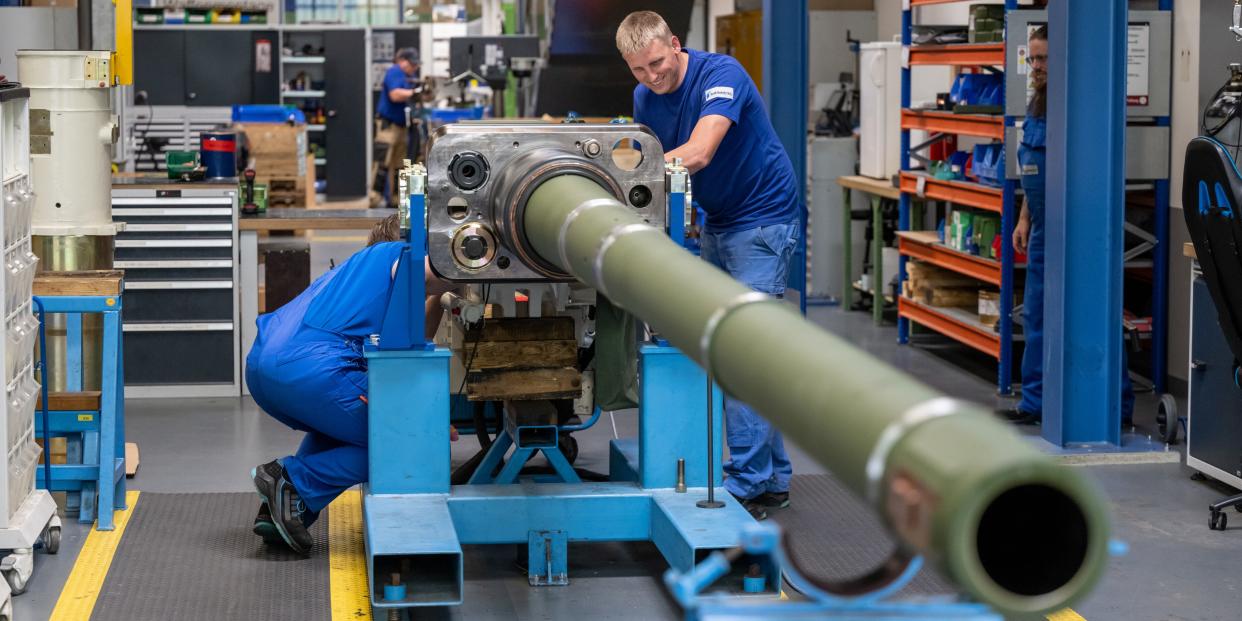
(173, 249)
(155, 301)
(172, 356)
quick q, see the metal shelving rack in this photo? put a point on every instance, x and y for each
(926, 247)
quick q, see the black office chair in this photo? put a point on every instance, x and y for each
(1211, 197)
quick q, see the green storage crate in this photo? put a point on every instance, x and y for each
(180, 162)
(148, 15)
(198, 16)
(987, 11)
(986, 229)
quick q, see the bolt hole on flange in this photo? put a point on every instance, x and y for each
(458, 209)
(640, 196)
(627, 154)
(468, 170)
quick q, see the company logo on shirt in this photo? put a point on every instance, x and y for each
(718, 92)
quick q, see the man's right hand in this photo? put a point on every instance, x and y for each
(1022, 233)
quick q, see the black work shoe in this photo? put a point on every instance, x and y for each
(264, 527)
(779, 500)
(285, 505)
(1018, 416)
(753, 507)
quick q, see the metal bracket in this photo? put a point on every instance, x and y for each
(547, 558)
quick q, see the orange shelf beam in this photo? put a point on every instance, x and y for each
(962, 193)
(926, 247)
(959, 54)
(981, 125)
(972, 334)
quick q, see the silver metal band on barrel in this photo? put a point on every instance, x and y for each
(610, 239)
(893, 434)
(569, 219)
(713, 322)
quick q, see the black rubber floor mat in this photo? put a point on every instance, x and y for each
(193, 556)
(834, 536)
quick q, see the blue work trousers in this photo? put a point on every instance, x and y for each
(1033, 317)
(317, 388)
(759, 258)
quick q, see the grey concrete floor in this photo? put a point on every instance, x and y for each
(1176, 568)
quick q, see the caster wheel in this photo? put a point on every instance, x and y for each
(17, 584)
(1166, 419)
(1198, 476)
(569, 447)
(1218, 521)
(51, 540)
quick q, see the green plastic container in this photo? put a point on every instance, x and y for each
(180, 162)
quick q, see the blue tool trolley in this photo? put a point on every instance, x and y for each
(96, 436)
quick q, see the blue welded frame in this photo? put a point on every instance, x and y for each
(99, 477)
(762, 543)
(1086, 166)
(785, 63)
(414, 518)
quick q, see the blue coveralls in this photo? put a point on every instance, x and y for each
(1032, 158)
(307, 370)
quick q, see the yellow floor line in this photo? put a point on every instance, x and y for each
(1065, 614)
(77, 599)
(347, 559)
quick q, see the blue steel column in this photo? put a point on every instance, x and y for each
(1004, 367)
(1086, 177)
(1160, 289)
(903, 218)
(785, 49)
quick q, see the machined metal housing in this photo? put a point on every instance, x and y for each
(517, 158)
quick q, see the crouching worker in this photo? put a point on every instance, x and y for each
(307, 370)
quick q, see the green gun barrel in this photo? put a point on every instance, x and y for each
(1016, 530)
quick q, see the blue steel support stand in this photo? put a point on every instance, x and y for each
(903, 217)
(1160, 289)
(1009, 218)
(416, 522)
(785, 49)
(97, 469)
(1086, 144)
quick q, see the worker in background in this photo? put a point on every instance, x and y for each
(705, 109)
(307, 370)
(399, 87)
(1028, 237)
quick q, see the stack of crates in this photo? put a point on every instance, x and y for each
(987, 23)
(21, 328)
(278, 155)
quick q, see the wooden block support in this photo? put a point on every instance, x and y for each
(87, 283)
(524, 384)
(131, 459)
(70, 401)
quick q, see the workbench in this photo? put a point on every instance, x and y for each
(284, 219)
(878, 189)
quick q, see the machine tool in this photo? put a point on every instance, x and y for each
(584, 213)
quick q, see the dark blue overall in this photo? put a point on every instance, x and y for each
(1032, 160)
(307, 371)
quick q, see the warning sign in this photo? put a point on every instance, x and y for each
(1138, 61)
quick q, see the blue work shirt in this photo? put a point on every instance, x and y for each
(387, 108)
(750, 181)
(1032, 161)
